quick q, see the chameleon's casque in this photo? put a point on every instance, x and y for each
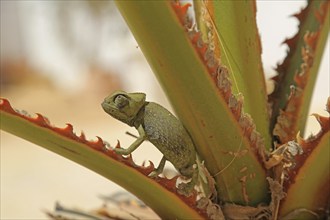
(124, 106)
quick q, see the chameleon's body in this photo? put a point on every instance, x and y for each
(167, 133)
(159, 126)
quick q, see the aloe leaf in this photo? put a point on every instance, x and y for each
(189, 79)
(308, 187)
(297, 74)
(159, 194)
(232, 25)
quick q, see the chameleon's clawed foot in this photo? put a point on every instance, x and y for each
(159, 169)
(155, 173)
(186, 189)
(120, 151)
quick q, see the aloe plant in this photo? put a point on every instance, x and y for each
(253, 150)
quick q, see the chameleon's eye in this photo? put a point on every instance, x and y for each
(121, 101)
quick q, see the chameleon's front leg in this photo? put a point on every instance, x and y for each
(134, 145)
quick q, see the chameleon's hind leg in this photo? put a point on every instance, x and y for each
(187, 188)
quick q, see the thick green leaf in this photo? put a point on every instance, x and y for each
(179, 65)
(93, 155)
(235, 32)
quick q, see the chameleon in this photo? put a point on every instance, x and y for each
(159, 126)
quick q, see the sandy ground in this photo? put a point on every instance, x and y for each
(33, 179)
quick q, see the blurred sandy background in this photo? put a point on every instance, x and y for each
(61, 58)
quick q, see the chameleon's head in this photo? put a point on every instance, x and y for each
(124, 106)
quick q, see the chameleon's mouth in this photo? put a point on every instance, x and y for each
(106, 106)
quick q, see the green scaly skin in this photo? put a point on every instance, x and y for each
(157, 125)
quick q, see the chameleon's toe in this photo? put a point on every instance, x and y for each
(154, 173)
(119, 151)
(185, 189)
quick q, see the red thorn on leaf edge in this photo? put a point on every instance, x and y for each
(118, 144)
(82, 136)
(99, 144)
(181, 10)
(42, 120)
(148, 169)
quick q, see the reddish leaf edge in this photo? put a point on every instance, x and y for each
(220, 76)
(285, 125)
(102, 147)
(308, 145)
(289, 160)
(296, 172)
